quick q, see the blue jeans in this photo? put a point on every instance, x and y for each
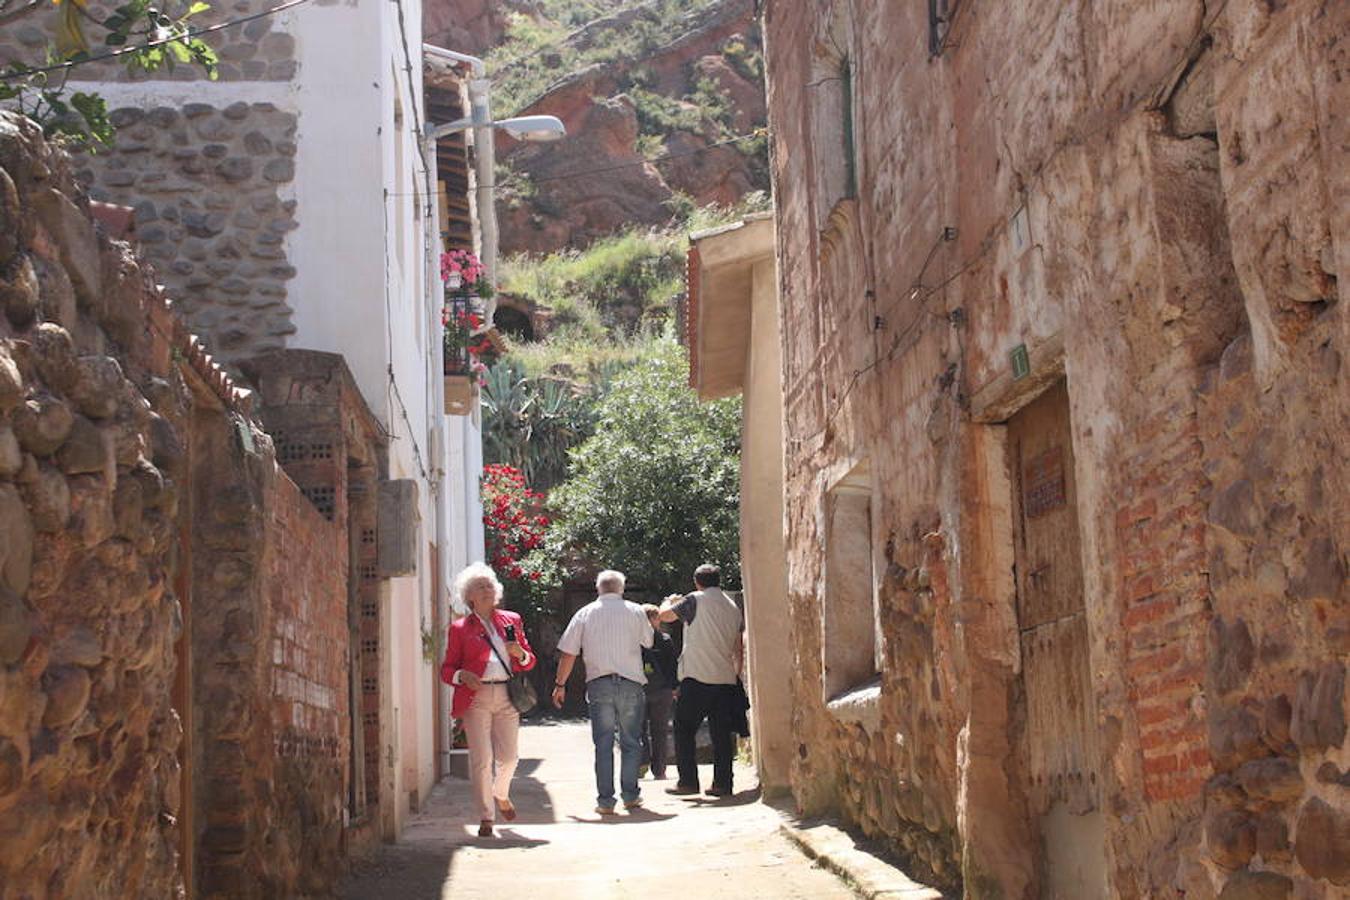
(616, 704)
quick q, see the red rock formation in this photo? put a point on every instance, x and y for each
(596, 181)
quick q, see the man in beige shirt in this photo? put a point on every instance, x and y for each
(710, 665)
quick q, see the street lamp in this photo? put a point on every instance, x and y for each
(539, 129)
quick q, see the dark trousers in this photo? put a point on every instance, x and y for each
(656, 730)
(699, 701)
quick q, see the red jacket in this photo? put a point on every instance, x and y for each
(468, 648)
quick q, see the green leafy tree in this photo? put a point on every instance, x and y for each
(655, 491)
(143, 35)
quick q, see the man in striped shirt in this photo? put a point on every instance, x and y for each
(610, 633)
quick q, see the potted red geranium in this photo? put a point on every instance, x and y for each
(466, 286)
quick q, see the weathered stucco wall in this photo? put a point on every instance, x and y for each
(1152, 202)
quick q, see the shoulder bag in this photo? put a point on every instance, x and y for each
(519, 688)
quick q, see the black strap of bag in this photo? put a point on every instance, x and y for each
(519, 689)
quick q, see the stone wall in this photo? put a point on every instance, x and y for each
(1151, 203)
(90, 468)
(257, 50)
(211, 190)
(155, 562)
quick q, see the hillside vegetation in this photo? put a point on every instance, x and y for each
(595, 238)
(664, 106)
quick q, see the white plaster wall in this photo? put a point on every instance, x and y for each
(763, 548)
(359, 290)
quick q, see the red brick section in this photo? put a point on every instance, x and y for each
(306, 578)
(1164, 592)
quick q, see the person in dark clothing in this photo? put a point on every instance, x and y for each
(709, 669)
(659, 665)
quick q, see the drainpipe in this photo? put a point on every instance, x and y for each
(487, 221)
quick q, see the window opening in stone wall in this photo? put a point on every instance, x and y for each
(851, 640)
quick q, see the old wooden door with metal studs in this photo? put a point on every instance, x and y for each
(1060, 740)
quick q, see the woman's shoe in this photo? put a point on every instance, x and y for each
(508, 810)
(485, 828)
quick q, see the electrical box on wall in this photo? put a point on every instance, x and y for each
(397, 521)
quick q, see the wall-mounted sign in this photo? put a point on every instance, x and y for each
(1043, 483)
(1021, 362)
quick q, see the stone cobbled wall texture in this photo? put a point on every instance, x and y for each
(209, 186)
(258, 50)
(124, 453)
(90, 468)
(1152, 200)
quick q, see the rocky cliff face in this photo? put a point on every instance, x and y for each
(649, 132)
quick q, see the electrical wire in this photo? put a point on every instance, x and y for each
(15, 75)
(394, 393)
(761, 132)
(536, 52)
(414, 103)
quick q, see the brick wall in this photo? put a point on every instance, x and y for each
(306, 579)
(1124, 208)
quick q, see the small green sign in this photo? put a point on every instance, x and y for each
(1021, 363)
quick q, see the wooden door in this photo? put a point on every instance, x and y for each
(1061, 743)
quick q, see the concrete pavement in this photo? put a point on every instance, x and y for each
(558, 847)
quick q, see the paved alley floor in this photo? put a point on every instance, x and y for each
(558, 847)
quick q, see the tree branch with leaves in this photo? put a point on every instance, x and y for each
(143, 35)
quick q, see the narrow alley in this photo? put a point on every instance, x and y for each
(560, 848)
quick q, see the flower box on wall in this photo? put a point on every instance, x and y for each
(459, 394)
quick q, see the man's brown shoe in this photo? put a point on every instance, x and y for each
(718, 791)
(507, 809)
(682, 790)
(485, 828)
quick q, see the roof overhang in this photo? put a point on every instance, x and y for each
(721, 282)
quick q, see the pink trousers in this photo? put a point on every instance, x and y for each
(492, 726)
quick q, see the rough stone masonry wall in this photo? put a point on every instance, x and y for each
(89, 473)
(209, 186)
(259, 50)
(1179, 169)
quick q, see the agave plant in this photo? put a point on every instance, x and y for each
(531, 423)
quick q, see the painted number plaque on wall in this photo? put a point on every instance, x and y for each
(1043, 483)
(1021, 363)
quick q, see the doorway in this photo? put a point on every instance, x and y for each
(1060, 740)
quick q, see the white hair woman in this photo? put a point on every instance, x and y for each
(484, 648)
